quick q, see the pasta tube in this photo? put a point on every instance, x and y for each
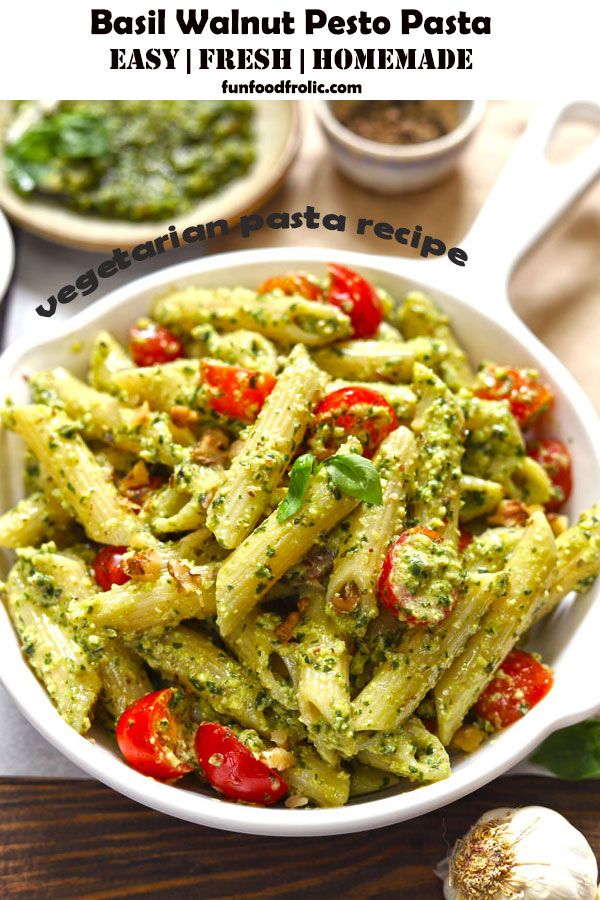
(372, 360)
(56, 658)
(35, 519)
(420, 317)
(317, 780)
(495, 450)
(152, 436)
(82, 484)
(578, 550)
(288, 320)
(411, 670)
(322, 671)
(248, 349)
(258, 647)
(352, 586)
(124, 679)
(412, 752)
(162, 386)
(528, 571)
(268, 448)
(191, 658)
(274, 547)
(478, 497)
(107, 358)
(141, 605)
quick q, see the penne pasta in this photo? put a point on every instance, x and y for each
(268, 447)
(274, 547)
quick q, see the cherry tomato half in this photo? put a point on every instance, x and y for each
(236, 392)
(233, 770)
(355, 296)
(419, 577)
(527, 396)
(555, 458)
(290, 284)
(107, 567)
(518, 685)
(151, 344)
(147, 735)
(353, 410)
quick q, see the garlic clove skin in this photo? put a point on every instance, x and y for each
(532, 853)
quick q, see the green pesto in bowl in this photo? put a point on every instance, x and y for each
(134, 160)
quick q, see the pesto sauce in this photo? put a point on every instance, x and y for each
(134, 160)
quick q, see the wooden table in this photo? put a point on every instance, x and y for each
(77, 839)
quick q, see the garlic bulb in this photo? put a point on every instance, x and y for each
(531, 853)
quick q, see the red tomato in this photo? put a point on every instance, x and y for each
(358, 411)
(518, 685)
(555, 458)
(292, 284)
(357, 298)
(107, 567)
(465, 538)
(236, 392)
(151, 344)
(398, 567)
(147, 735)
(233, 770)
(528, 398)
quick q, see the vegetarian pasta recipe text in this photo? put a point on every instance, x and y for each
(288, 542)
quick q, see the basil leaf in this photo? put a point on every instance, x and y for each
(27, 159)
(299, 478)
(572, 753)
(81, 135)
(67, 135)
(355, 476)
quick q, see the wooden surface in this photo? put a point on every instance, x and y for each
(63, 839)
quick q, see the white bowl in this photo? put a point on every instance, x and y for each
(569, 643)
(395, 169)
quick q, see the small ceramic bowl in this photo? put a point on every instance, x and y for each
(398, 168)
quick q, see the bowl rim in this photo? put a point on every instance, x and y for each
(402, 152)
(27, 692)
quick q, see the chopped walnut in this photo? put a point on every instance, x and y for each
(183, 416)
(236, 447)
(347, 599)
(141, 415)
(278, 758)
(318, 562)
(143, 565)
(211, 448)
(280, 737)
(295, 802)
(558, 523)
(285, 630)
(184, 575)
(467, 739)
(138, 476)
(509, 512)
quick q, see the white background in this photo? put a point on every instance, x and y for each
(536, 49)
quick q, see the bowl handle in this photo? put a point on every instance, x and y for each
(531, 192)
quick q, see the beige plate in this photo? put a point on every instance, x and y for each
(277, 141)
